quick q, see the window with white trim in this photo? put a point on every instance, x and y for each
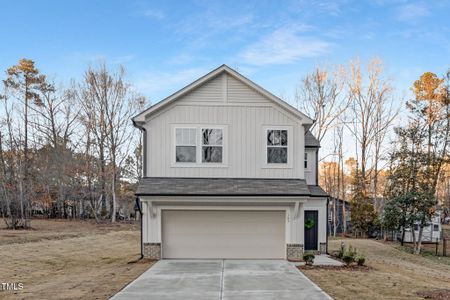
(186, 145)
(277, 146)
(212, 145)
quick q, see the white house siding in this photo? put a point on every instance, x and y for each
(310, 172)
(209, 92)
(429, 235)
(243, 113)
(239, 92)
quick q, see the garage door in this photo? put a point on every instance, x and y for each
(223, 234)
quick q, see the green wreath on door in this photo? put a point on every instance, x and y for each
(309, 223)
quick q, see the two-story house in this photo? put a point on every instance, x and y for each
(229, 171)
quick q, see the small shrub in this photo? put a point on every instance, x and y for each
(341, 251)
(360, 260)
(308, 258)
(351, 251)
(348, 259)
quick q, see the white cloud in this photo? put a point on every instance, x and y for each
(284, 46)
(92, 58)
(328, 7)
(181, 59)
(155, 14)
(211, 23)
(161, 83)
(412, 12)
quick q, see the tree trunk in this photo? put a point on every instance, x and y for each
(413, 233)
(402, 241)
(419, 240)
(344, 212)
(334, 217)
(113, 192)
(103, 181)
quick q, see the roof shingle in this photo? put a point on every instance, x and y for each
(310, 140)
(182, 186)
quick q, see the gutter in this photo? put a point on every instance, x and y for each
(144, 174)
(228, 195)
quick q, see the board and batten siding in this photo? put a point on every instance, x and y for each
(243, 112)
(310, 172)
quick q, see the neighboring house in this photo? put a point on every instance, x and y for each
(432, 233)
(230, 171)
(340, 216)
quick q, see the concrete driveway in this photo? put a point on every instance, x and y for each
(222, 280)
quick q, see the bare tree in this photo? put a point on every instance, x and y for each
(122, 105)
(341, 175)
(108, 103)
(321, 96)
(57, 122)
(92, 96)
(373, 114)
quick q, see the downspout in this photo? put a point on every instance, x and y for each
(328, 201)
(144, 147)
(317, 166)
(144, 174)
(138, 204)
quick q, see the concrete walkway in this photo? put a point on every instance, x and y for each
(323, 260)
(222, 280)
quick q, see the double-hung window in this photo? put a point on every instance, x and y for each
(212, 145)
(197, 145)
(186, 145)
(277, 146)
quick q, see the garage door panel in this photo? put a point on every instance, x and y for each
(223, 234)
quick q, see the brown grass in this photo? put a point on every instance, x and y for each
(70, 259)
(394, 274)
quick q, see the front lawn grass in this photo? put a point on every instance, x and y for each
(70, 259)
(393, 274)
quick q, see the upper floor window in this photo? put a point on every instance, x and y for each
(277, 146)
(212, 145)
(197, 146)
(186, 145)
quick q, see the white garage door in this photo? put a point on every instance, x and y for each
(223, 234)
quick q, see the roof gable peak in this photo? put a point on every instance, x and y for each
(140, 118)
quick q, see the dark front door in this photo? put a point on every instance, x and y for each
(311, 229)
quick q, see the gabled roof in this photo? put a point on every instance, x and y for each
(140, 118)
(186, 186)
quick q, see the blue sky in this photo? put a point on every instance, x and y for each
(167, 44)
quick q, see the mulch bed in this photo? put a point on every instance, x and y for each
(337, 268)
(442, 294)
